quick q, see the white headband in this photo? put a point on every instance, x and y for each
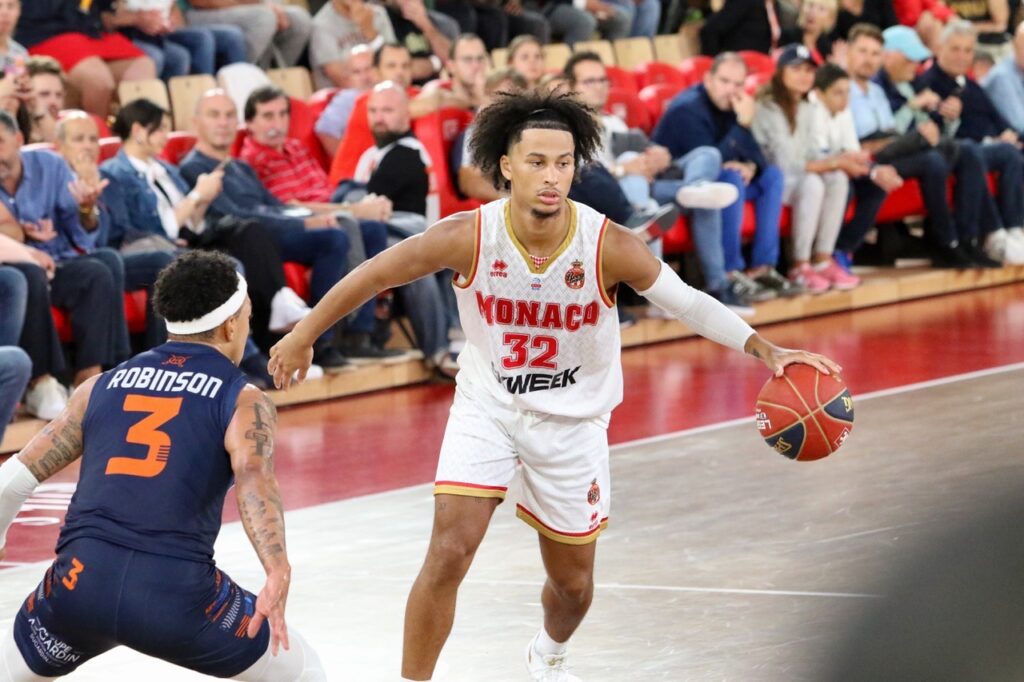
(215, 317)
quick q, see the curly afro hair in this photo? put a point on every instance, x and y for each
(194, 284)
(501, 125)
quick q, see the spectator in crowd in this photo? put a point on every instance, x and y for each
(17, 98)
(1004, 84)
(981, 66)
(577, 20)
(15, 364)
(979, 120)
(290, 173)
(47, 80)
(10, 49)
(813, 30)
(269, 27)
(638, 165)
(39, 206)
(333, 120)
(398, 167)
(77, 141)
(742, 25)
(926, 16)
(340, 26)
(469, 178)
(816, 177)
(319, 240)
(467, 66)
(495, 21)
(718, 113)
(177, 49)
(991, 21)
(84, 39)
(427, 35)
(878, 13)
(152, 209)
(918, 151)
(526, 57)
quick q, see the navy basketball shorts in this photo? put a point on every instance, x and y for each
(96, 596)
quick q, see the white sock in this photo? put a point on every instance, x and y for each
(545, 646)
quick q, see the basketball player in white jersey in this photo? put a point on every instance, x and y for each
(540, 372)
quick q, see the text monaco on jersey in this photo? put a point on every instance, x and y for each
(519, 313)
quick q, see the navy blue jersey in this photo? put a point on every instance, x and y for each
(154, 468)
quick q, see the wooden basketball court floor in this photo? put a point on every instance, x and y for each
(723, 560)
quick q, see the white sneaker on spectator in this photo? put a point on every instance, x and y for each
(1014, 246)
(704, 194)
(547, 668)
(46, 398)
(995, 244)
(287, 309)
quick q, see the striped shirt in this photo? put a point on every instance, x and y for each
(289, 173)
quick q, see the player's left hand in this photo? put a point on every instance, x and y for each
(270, 607)
(777, 359)
(288, 356)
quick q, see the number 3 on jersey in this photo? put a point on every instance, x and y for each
(147, 432)
(518, 355)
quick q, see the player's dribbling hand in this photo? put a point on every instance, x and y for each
(776, 358)
(288, 356)
(270, 607)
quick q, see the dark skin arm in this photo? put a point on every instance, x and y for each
(250, 443)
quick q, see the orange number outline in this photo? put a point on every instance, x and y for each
(147, 432)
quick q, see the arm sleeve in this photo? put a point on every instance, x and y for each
(16, 485)
(700, 312)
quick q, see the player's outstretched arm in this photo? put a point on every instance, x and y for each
(448, 244)
(627, 259)
(250, 442)
(56, 446)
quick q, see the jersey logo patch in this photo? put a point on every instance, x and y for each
(535, 284)
(575, 277)
(594, 494)
(176, 360)
(499, 268)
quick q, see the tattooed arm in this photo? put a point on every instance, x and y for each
(52, 449)
(250, 442)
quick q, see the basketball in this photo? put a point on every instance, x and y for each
(804, 414)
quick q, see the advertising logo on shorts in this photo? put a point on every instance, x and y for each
(594, 494)
(575, 276)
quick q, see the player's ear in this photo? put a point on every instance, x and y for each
(506, 167)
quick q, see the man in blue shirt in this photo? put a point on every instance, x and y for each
(716, 116)
(37, 207)
(925, 158)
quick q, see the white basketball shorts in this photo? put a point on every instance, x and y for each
(566, 487)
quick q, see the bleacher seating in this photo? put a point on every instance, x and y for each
(621, 78)
(655, 97)
(627, 106)
(437, 131)
(153, 89)
(602, 48)
(296, 81)
(185, 92)
(651, 73)
(632, 52)
(179, 143)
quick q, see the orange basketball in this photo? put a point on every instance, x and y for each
(804, 414)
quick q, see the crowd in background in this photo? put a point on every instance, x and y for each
(780, 179)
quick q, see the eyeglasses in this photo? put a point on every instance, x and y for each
(473, 60)
(593, 81)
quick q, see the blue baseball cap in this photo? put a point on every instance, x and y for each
(904, 40)
(794, 54)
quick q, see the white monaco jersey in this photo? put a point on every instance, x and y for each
(542, 339)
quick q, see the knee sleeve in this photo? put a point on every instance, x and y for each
(300, 663)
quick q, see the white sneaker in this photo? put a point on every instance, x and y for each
(46, 399)
(995, 244)
(706, 194)
(287, 309)
(547, 668)
(1014, 247)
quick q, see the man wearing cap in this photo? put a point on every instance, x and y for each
(161, 438)
(915, 151)
(979, 120)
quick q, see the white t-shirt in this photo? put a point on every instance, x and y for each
(334, 36)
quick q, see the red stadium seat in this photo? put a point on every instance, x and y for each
(621, 78)
(240, 135)
(756, 81)
(437, 132)
(301, 128)
(627, 106)
(657, 96)
(694, 68)
(653, 73)
(758, 62)
(296, 276)
(134, 312)
(109, 146)
(179, 144)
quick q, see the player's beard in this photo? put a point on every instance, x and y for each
(554, 212)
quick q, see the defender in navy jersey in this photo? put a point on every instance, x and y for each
(540, 372)
(161, 438)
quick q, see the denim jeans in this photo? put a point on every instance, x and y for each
(646, 16)
(140, 272)
(170, 58)
(703, 164)
(1005, 160)
(15, 368)
(13, 299)
(765, 191)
